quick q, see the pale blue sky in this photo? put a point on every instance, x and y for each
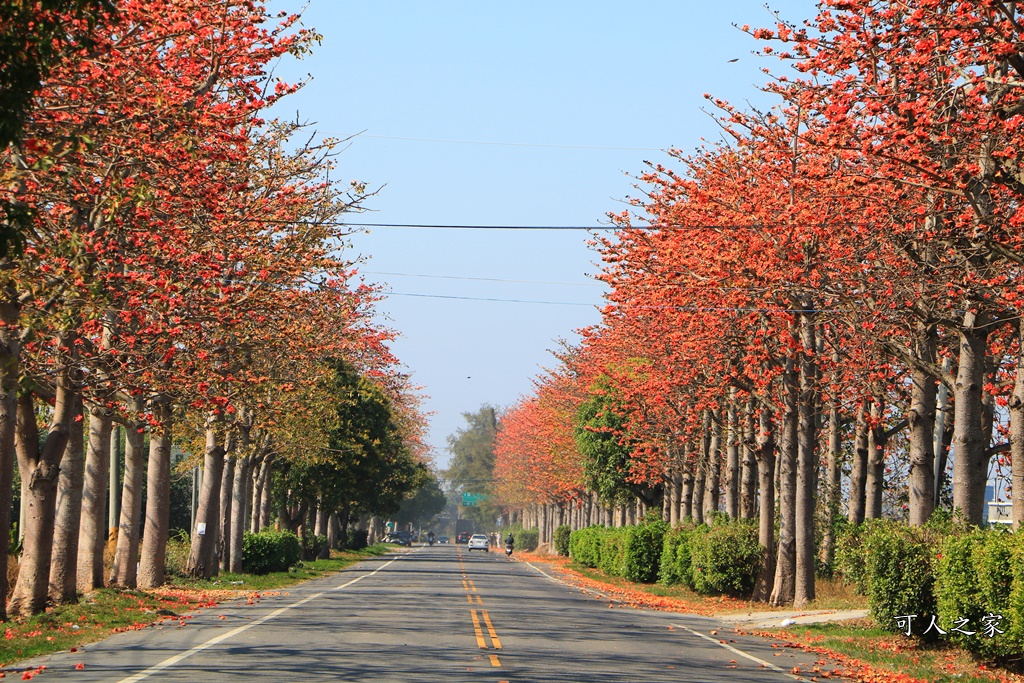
(588, 74)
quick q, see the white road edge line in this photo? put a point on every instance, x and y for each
(550, 578)
(360, 578)
(741, 653)
(171, 661)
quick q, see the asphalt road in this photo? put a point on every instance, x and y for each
(436, 613)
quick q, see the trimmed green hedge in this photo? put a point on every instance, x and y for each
(898, 570)
(964, 577)
(270, 551)
(585, 546)
(724, 558)
(612, 560)
(717, 559)
(641, 551)
(975, 579)
(675, 567)
(526, 539)
(562, 535)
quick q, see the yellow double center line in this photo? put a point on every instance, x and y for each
(479, 631)
(481, 619)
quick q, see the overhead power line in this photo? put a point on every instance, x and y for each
(483, 279)
(592, 228)
(493, 143)
(696, 309)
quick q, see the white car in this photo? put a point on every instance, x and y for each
(478, 542)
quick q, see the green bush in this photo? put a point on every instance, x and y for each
(270, 551)
(356, 539)
(849, 563)
(179, 545)
(585, 546)
(674, 566)
(642, 548)
(1014, 638)
(562, 535)
(898, 568)
(526, 539)
(612, 557)
(724, 558)
(974, 578)
(312, 546)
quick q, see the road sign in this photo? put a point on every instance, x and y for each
(470, 500)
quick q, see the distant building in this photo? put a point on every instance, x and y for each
(996, 512)
(999, 513)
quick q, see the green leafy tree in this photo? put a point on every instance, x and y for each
(424, 505)
(367, 467)
(599, 428)
(472, 465)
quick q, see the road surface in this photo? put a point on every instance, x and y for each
(433, 614)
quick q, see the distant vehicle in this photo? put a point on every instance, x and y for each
(443, 539)
(463, 537)
(399, 537)
(479, 542)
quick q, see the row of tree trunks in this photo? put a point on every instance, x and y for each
(39, 463)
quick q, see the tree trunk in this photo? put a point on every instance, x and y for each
(732, 460)
(764, 451)
(921, 425)
(1016, 410)
(941, 437)
(126, 556)
(202, 562)
(158, 493)
(323, 524)
(686, 499)
(92, 540)
(40, 468)
(749, 485)
(227, 485)
(64, 567)
(833, 481)
(712, 485)
(239, 494)
(10, 352)
(334, 532)
(266, 497)
(807, 462)
(969, 446)
(674, 494)
(876, 461)
(785, 560)
(114, 482)
(258, 474)
(700, 473)
(859, 470)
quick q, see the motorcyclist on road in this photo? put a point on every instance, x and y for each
(510, 541)
(430, 538)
